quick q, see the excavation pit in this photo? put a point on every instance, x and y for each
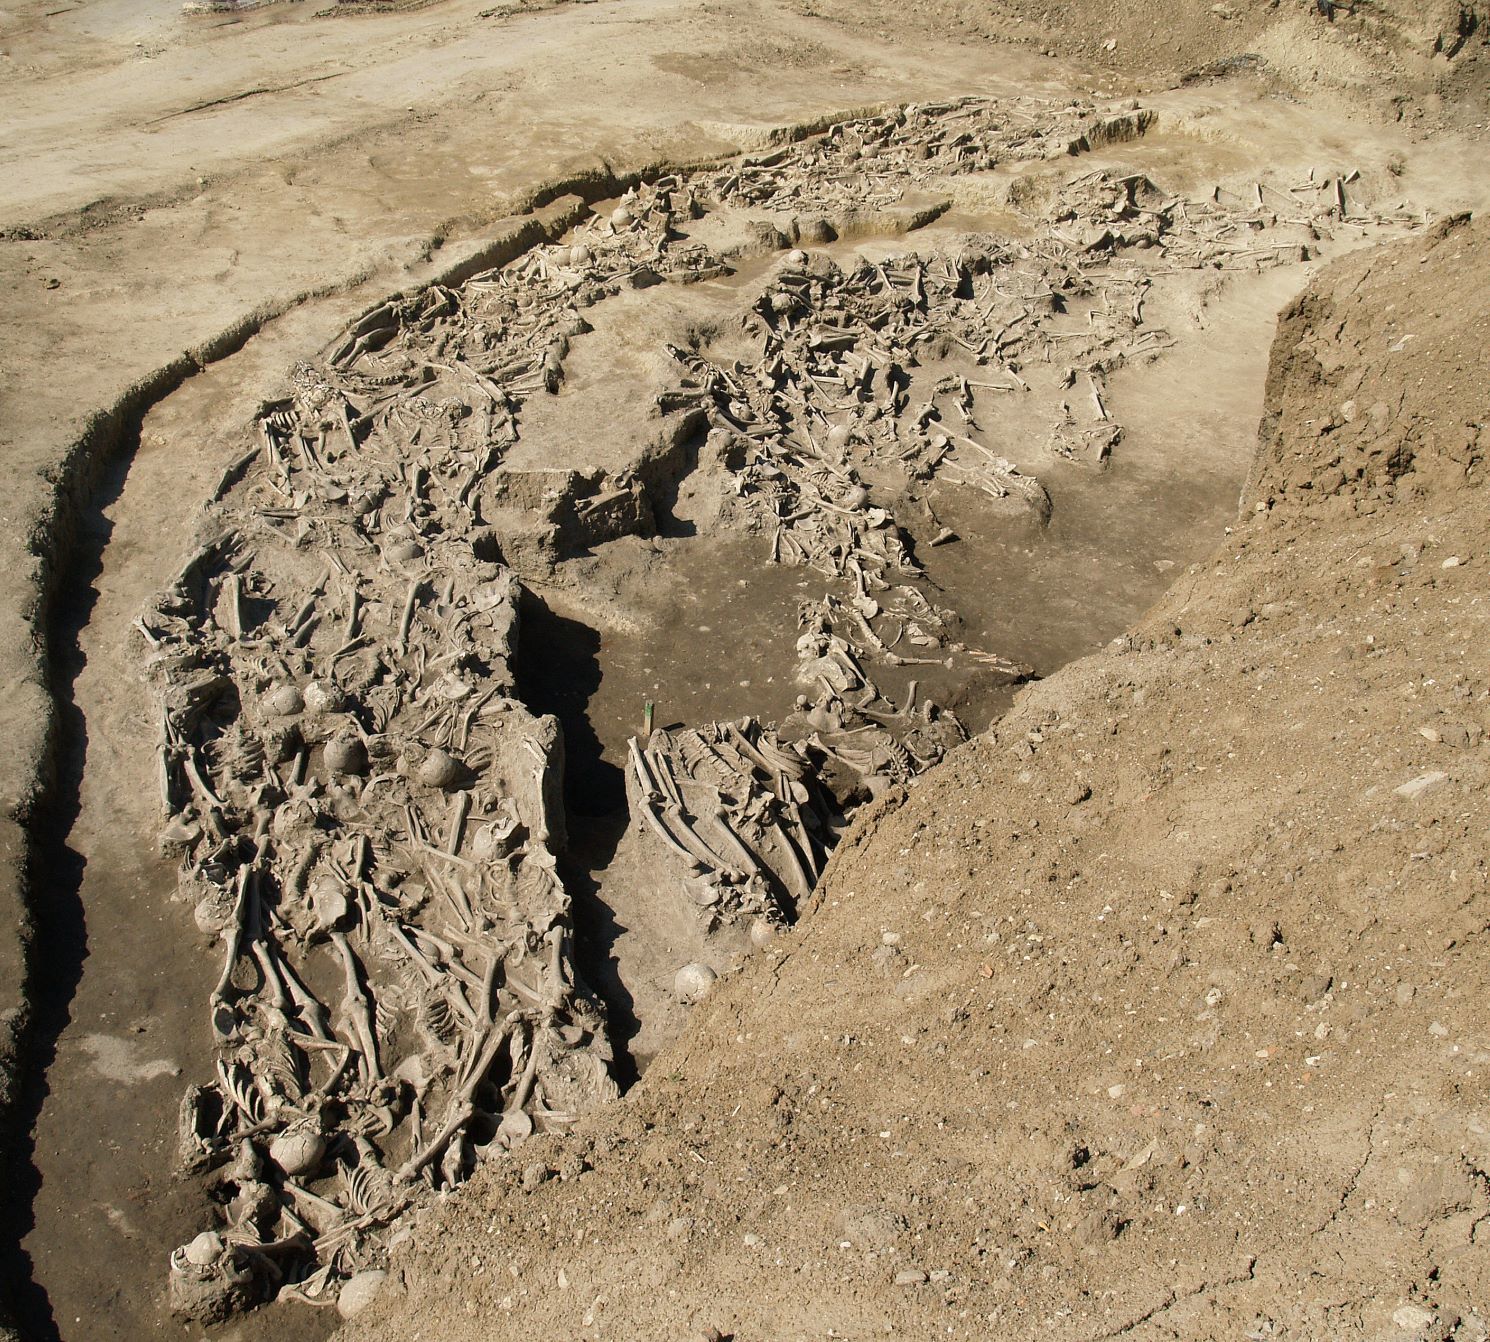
(805, 452)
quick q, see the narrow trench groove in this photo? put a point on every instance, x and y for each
(61, 924)
(558, 671)
(783, 499)
(96, 473)
(95, 476)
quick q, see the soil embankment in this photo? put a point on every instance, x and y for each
(1157, 1010)
(1406, 60)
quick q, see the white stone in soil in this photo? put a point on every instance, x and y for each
(359, 1292)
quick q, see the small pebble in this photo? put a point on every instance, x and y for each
(1266, 934)
(1314, 986)
(1414, 1318)
(910, 1276)
(1417, 786)
(535, 1176)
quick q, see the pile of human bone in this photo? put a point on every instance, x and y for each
(366, 814)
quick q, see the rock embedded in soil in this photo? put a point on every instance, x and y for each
(359, 1292)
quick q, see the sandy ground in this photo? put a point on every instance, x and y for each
(179, 185)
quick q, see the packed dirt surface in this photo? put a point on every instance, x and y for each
(1405, 59)
(1156, 1011)
(496, 541)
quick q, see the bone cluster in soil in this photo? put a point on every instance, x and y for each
(366, 813)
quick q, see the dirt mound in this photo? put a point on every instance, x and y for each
(1409, 58)
(1157, 1010)
(1403, 420)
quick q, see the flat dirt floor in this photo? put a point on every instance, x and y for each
(768, 394)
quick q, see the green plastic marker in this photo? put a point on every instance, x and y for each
(647, 716)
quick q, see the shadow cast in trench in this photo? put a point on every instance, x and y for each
(558, 672)
(60, 925)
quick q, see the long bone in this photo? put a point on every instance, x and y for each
(460, 808)
(524, 1088)
(716, 817)
(650, 795)
(461, 1108)
(793, 873)
(279, 997)
(662, 770)
(677, 822)
(305, 1002)
(406, 616)
(357, 1007)
(246, 895)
